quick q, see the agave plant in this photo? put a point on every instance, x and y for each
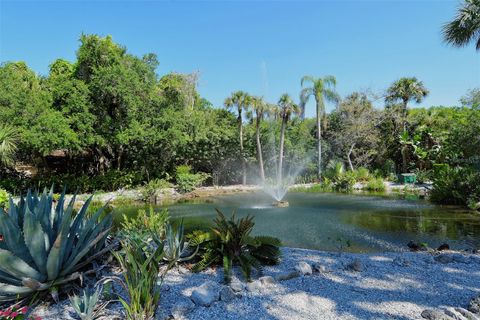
(229, 242)
(86, 306)
(176, 249)
(44, 245)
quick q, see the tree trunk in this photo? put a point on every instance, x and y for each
(242, 158)
(259, 151)
(348, 156)
(319, 140)
(280, 158)
(404, 148)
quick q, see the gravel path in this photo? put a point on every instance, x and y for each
(342, 286)
(389, 286)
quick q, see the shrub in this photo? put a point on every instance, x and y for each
(17, 313)
(3, 198)
(43, 245)
(187, 181)
(140, 265)
(345, 181)
(229, 242)
(149, 191)
(176, 250)
(375, 184)
(457, 185)
(362, 174)
(144, 225)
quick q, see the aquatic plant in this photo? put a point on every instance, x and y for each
(229, 242)
(43, 245)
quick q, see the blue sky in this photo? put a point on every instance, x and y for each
(263, 47)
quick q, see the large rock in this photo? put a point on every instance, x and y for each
(227, 294)
(303, 268)
(430, 314)
(206, 294)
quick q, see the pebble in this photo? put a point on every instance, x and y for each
(206, 294)
(304, 268)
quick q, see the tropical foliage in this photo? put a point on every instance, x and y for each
(229, 242)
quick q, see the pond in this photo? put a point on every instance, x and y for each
(333, 222)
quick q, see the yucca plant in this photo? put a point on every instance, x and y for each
(86, 306)
(176, 249)
(141, 281)
(44, 245)
(229, 242)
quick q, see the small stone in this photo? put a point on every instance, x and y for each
(287, 275)
(303, 268)
(254, 286)
(237, 286)
(355, 265)
(227, 294)
(266, 280)
(206, 294)
(474, 305)
(444, 258)
(180, 309)
(317, 267)
(430, 314)
(401, 262)
(443, 247)
(451, 312)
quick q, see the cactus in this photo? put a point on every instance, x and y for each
(43, 245)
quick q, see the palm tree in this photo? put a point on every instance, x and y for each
(322, 89)
(406, 90)
(8, 144)
(286, 108)
(465, 27)
(261, 108)
(241, 101)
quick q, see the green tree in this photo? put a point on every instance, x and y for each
(261, 108)
(321, 89)
(465, 27)
(286, 109)
(471, 99)
(8, 144)
(241, 101)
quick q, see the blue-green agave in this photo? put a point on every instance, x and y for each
(43, 245)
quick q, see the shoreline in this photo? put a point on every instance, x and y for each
(308, 283)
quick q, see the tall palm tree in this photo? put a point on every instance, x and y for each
(286, 108)
(406, 90)
(261, 108)
(8, 144)
(466, 25)
(321, 89)
(241, 101)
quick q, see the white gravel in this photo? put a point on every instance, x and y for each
(390, 286)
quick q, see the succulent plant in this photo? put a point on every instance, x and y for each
(86, 306)
(43, 245)
(176, 249)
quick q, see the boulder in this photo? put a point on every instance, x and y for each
(303, 268)
(206, 294)
(227, 294)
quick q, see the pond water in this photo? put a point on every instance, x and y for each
(333, 222)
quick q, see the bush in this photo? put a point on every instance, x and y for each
(3, 198)
(230, 243)
(43, 245)
(143, 225)
(375, 184)
(150, 190)
(460, 186)
(187, 181)
(362, 174)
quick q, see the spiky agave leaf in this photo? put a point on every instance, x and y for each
(43, 244)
